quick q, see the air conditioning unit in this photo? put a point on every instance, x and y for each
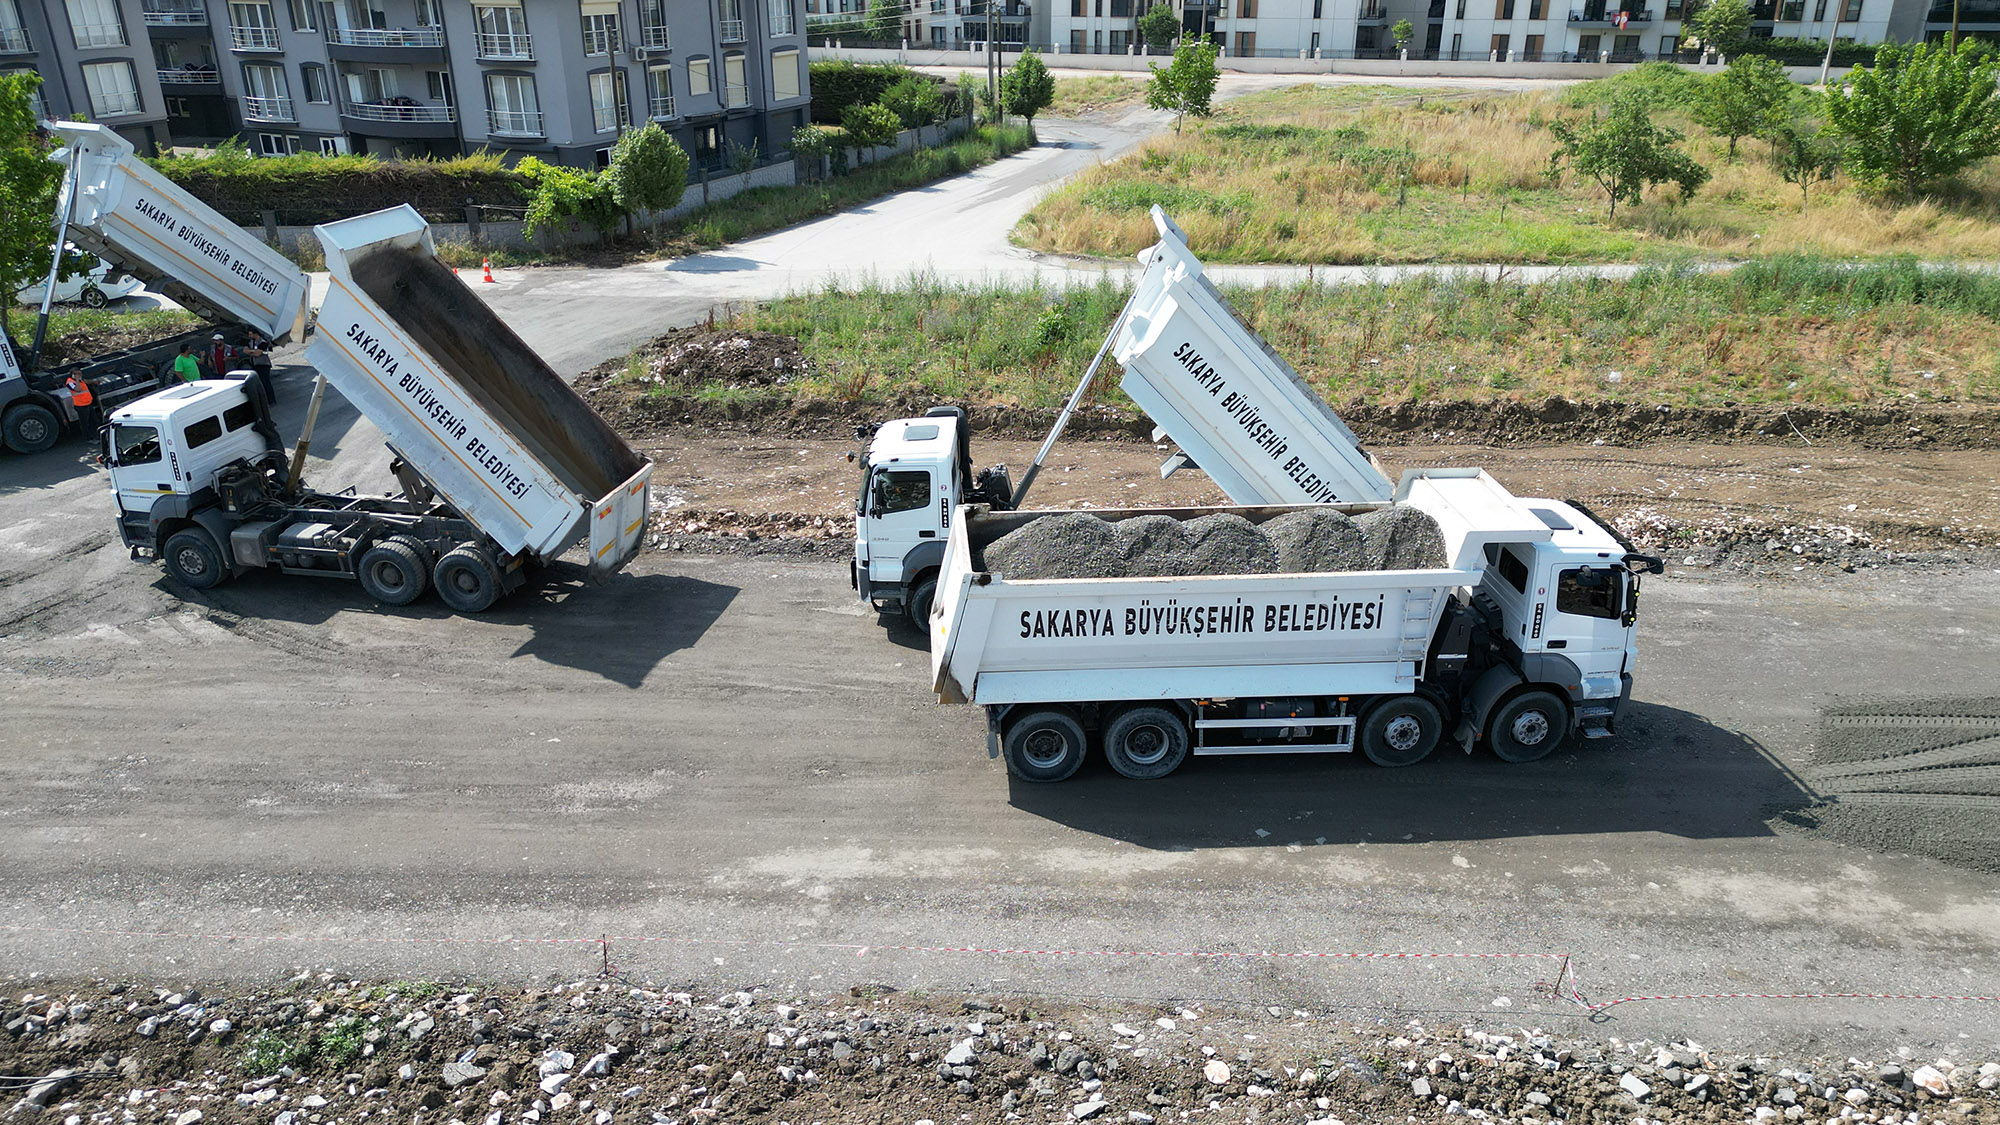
(639, 54)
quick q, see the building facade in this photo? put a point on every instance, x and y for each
(559, 79)
(96, 60)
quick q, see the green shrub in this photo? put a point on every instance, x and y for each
(915, 100)
(564, 193)
(1659, 85)
(268, 1052)
(1141, 195)
(838, 83)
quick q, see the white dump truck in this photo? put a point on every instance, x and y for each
(1524, 637)
(117, 206)
(1236, 410)
(501, 463)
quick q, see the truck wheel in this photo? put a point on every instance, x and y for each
(466, 579)
(919, 606)
(30, 428)
(1044, 745)
(192, 557)
(392, 573)
(93, 297)
(1527, 727)
(1401, 732)
(1145, 743)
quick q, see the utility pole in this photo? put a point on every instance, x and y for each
(1833, 36)
(993, 60)
(1953, 42)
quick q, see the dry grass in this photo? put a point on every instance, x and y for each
(1096, 93)
(1340, 175)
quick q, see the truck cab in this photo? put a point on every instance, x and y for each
(166, 453)
(915, 472)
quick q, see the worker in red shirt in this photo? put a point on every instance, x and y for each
(220, 356)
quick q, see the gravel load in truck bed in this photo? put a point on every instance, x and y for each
(1080, 545)
(1401, 538)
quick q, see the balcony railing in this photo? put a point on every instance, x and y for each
(513, 123)
(13, 39)
(254, 38)
(190, 76)
(268, 109)
(663, 105)
(783, 24)
(175, 15)
(99, 35)
(732, 31)
(654, 37)
(385, 37)
(735, 94)
(116, 104)
(1608, 19)
(381, 111)
(505, 45)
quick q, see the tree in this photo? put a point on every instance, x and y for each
(1402, 33)
(565, 193)
(28, 184)
(1625, 153)
(1188, 85)
(810, 145)
(648, 170)
(1027, 88)
(1918, 115)
(1159, 27)
(915, 100)
(869, 125)
(885, 20)
(1805, 157)
(1720, 25)
(1747, 98)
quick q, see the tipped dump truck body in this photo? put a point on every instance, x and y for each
(459, 395)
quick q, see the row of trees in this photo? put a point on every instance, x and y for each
(1921, 114)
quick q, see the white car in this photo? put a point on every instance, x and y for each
(94, 289)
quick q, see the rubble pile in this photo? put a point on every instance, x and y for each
(1081, 545)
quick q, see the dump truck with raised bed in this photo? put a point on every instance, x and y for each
(1519, 634)
(117, 206)
(501, 464)
(1237, 411)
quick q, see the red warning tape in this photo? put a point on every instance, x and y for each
(1566, 987)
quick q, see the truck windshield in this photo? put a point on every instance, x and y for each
(135, 445)
(1591, 592)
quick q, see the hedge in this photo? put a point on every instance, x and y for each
(317, 189)
(838, 83)
(1810, 52)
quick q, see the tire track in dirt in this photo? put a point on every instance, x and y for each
(1912, 775)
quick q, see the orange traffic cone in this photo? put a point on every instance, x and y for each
(487, 265)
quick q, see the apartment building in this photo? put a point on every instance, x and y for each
(556, 78)
(95, 59)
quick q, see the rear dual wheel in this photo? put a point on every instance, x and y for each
(1146, 743)
(467, 579)
(1044, 745)
(396, 570)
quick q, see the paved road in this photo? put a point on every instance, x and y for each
(721, 751)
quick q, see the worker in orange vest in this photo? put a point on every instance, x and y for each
(81, 398)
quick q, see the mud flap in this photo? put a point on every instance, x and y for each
(994, 715)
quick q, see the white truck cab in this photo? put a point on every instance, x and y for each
(915, 473)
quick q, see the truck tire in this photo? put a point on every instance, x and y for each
(1527, 727)
(30, 427)
(1146, 743)
(466, 579)
(919, 605)
(1044, 745)
(1401, 731)
(393, 573)
(192, 558)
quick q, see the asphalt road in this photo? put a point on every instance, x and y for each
(724, 755)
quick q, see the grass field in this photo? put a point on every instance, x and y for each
(1096, 93)
(1783, 330)
(78, 333)
(1361, 174)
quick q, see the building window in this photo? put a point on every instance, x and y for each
(277, 144)
(1587, 46)
(252, 27)
(1538, 9)
(607, 100)
(1503, 9)
(1852, 11)
(1246, 9)
(437, 83)
(114, 88)
(265, 95)
(1318, 8)
(302, 15)
(600, 33)
(1669, 46)
(784, 75)
(731, 20)
(95, 23)
(503, 33)
(512, 108)
(13, 36)
(1120, 40)
(1364, 38)
(1531, 49)
(735, 90)
(372, 86)
(312, 78)
(1499, 47)
(698, 82)
(660, 90)
(427, 14)
(780, 14)
(1315, 44)
(333, 146)
(653, 26)
(176, 107)
(1246, 44)
(1625, 48)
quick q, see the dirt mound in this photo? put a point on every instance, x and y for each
(650, 388)
(1155, 546)
(1226, 543)
(1309, 542)
(1401, 538)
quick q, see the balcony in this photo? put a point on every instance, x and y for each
(400, 117)
(254, 39)
(189, 76)
(268, 109)
(14, 41)
(735, 95)
(505, 46)
(1599, 17)
(654, 37)
(663, 105)
(385, 37)
(160, 14)
(1372, 13)
(732, 31)
(513, 123)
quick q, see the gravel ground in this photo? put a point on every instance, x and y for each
(1080, 545)
(606, 1051)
